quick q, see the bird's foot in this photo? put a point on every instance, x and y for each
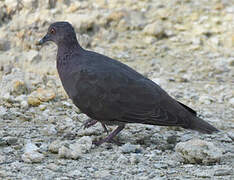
(110, 137)
(90, 122)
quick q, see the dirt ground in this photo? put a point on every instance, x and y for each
(187, 47)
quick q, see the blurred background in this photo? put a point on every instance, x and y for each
(186, 46)
(176, 41)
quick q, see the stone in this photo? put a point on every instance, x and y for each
(49, 130)
(130, 148)
(31, 154)
(204, 99)
(55, 145)
(2, 158)
(4, 45)
(223, 172)
(203, 173)
(231, 101)
(103, 174)
(155, 29)
(64, 152)
(13, 84)
(75, 150)
(11, 140)
(40, 95)
(198, 151)
(122, 159)
(3, 111)
(231, 135)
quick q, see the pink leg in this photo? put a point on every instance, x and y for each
(90, 122)
(110, 137)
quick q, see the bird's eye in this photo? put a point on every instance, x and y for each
(52, 31)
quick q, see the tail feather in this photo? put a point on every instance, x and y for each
(202, 126)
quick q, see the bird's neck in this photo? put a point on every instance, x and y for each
(65, 51)
(68, 46)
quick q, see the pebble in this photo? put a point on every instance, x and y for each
(31, 154)
(3, 111)
(199, 50)
(2, 158)
(231, 135)
(231, 101)
(4, 45)
(77, 149)
(131, 148)
(198, 151)
(103, 174)
(49, 130)
(40, 95)
(155, 29)
(55, 145)
(206, 99)
(13, 84)
(203, 173)
(11, 140)
(134, 158)
(223, 172)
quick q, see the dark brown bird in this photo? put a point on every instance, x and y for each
(112, 93)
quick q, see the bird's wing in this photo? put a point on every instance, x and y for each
(120, 95)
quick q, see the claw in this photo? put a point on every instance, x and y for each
(89, 123)
(110, 137)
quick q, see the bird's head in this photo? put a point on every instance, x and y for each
(60, 33)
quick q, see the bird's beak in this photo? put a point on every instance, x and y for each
(43, 40)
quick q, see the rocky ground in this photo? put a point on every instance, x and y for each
(186, 46)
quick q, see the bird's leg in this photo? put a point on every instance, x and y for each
(110, 137)
(105, 128)
(90, 122)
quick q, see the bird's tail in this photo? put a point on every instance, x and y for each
(202, 126)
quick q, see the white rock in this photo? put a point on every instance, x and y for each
(130, 148)
(155, 29)
(32, 157)
(31, 154)
(29, 4)
(206, 99)
(122, 159)
(75, 150)
(13, 84)
(231, 135)
(3, 111)
(64, 152)
(29, 147)
(55, 145)
(11, 4)
(49, 130)
(223, 172)
(103, 174)
(65, 124)
(83, 145)
(2, 158)
(24, 104)
(203, 173)
(134, 158)
(198, 151)
(231, 101)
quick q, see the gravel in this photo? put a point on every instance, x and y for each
(185, 46)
